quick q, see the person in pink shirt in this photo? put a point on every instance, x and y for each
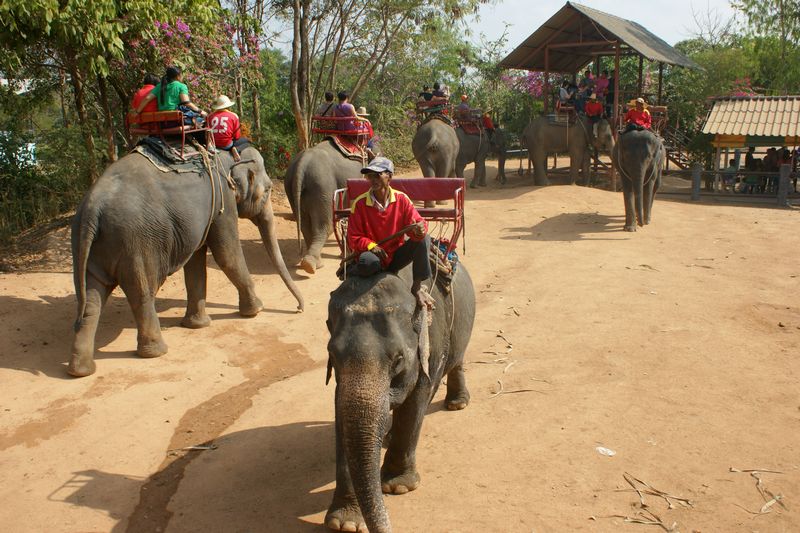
(225, 126)
(601, 86)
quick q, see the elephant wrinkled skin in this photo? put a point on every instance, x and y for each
(382, 362)
(543, 137)
(435, 147)
(137, 225)
(639, 157)
(311, 179)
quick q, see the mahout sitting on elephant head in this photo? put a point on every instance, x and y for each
(137, 225)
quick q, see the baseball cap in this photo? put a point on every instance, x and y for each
(379, 164)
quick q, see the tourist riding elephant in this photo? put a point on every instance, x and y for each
(137, 225)
(311, 179)
(475, 148)
(639, 157)
(386, 359)
(542, 136)
(435, 147)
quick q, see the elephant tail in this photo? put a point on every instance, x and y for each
(87, 226)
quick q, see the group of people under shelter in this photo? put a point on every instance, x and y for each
(594, 98)
(171, 94)
(761, 174)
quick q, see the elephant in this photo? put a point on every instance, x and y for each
(476, 147)
(311, 179)
(137, 225)
(435, 147)
(639, 157)
(386, 360)
(542, 137)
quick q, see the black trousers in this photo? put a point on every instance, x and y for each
(414, 252)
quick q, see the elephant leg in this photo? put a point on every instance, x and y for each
(82, 360)
(142, 300)
(317, 228)
(539, 170)
(586, 168)
(630, 209)
(227, 251)
(457, 394)
(575, 163)
(650, 193)
(344, 513)
(480, 171)
(194, 274)
(399, 471)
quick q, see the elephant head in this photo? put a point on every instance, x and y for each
(377, 352)
(253, 189)
(603, 141)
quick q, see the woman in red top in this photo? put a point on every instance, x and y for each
(638, 118)
(225, 126)
(150, 81)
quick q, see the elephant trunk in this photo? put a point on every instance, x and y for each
(363, 407)
(266, 226)
(638, 194)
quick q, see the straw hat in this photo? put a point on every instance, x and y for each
(593, 96)
(222, 102)
(640, 100)
(362, 112)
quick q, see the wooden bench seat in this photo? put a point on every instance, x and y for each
(161, 123)
(426, 190)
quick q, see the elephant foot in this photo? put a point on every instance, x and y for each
(150, 349)
(458, 401)
(81, 366)
(630, 227)
(251, 307)
(345, 518)
(309, 264)
(196, 321)
(401, 484)
(472, 185)
(482, 183)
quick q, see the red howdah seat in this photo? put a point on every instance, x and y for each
(160, 123)
(429, 190)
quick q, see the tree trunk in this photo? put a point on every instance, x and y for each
(256, 130)
(297, 76)
(62, 82)
(108, 119)
(76, 77)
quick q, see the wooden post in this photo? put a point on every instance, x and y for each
(783, 186)
(697, 173)
(546, 79)
(660, 81)
(615, 112)
(641, 66)
(716, 170)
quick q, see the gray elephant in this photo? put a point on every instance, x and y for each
(435, 147)
(542, 136)
(137, 225)
(311, 179)
(386, 360)
(475, 148)
(639, 157)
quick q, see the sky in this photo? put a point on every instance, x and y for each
(672, 20)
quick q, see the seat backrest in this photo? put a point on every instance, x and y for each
(154, 116)
(418, 189)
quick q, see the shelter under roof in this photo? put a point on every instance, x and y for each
(576, 35)
(773, 116)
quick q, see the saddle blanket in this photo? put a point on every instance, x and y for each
(165, 156)
(348, 147)
(470, 128)
(438, 116)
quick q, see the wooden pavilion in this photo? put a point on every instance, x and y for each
(578, 35)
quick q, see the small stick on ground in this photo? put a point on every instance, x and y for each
(502, 391)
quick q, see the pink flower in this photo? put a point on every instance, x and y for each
(153, 43)
(168, 33)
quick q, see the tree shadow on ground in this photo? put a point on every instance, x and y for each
(262, 479)
(568, 227)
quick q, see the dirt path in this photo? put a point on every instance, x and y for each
(676, 347)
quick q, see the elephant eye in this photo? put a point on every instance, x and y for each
(398, 362)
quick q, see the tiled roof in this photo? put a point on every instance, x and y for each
(575, 20)
(755, 115)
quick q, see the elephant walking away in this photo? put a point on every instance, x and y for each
(435, 147)
(639, 157)
(475, 148)
(387, 359)
(137, 225)
(311, 179)
(543, 136)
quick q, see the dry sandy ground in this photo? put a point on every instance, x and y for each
(676, 347)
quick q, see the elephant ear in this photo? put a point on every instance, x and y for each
(423, 344)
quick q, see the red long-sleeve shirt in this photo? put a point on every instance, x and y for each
(593, 108)
(641, 118)
(367, 224)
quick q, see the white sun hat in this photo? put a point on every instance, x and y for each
(223, 102)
